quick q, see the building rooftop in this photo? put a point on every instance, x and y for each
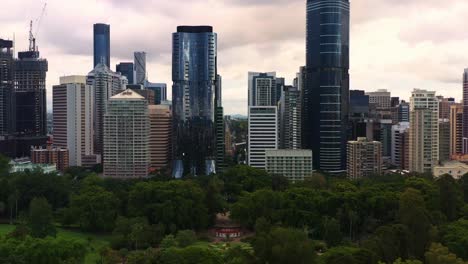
(195, 29)
(73, 79)
(128, 94)
(288, 152)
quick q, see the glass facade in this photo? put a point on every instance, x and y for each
(194, 94)
(126, 69)
(101, 44)
(326, 94)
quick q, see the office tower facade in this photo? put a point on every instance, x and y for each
(444, 140)
(290, 118)
(380, 99)
(403, 112)
(364, 158)
(106, 84)
(7, 110)
(126, 136)
(160, 136)
(101, 44)
(50, 155)
(295, 165)
(456, 129)
(400, 145)
(73, 104)
(263, 89)
(326, 94)
(194, 75)
(299, 81)
(126, 69)
(160, 91)
(140, 67)
(394, 101)
(424, 131)
(465, 110)
(444, 106)
(386, 136)
(262, 134)
(30, 101)
(359, 113)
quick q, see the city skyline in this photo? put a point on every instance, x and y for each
(410, 57)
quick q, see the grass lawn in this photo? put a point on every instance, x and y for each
(93, 241)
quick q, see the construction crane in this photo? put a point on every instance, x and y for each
(32, 37)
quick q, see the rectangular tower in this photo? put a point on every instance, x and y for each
(364, 158)
(101, 38)
(456, 129)
(160, 137)
(262, 134)
(140, 67)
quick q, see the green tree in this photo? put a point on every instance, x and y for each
(389, 242)
(348, 255)
(408, 261)
(168, 242)
(464, 185)
(40, 219)
(438, 254)
(244, 179)
(4, 165)
(450, 196)
(455, 237)
(186, 238)
(331, 232)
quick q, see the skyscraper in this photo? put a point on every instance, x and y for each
(424, 131)
(7, 118)
(126, 69)
(326, 94)
(400, 156)
(73, 104)
(263, 134)
(456, 129)
(194, 75)
(364, 158)
(101, 44)
(126, 136)
(444, 140)
(160, 91)
(465, 111)
(160, 137)
(106, 84)
(263, 89)
(140, 67)
(290, 118)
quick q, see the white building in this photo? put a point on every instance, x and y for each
(263, 134)
(454, 168)
(292, 164)
(126, 136)
(73, 105)
(424, 131)
(263, 89)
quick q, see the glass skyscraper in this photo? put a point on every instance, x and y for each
(101, 44)
(326, 93)
(126, 69)
(194, 98)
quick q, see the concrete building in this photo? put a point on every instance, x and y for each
(263, 134)
(444, 140)
(380, 99)
(444, 106)
(364, 158)
(400, 145)
(456, 129)
(465, 110)
(106, 84)
(424, 131)
(25, 164)
(454, 168)
(290, 118)
(160, 136)
(295, 165)
(263, 90)
(57, 156)
(73, 105)
(126, 136)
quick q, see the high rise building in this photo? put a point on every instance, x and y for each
(263, 89)
(456, 129)
(73, 105)
(424, 131)
(290, 118)
(101, 44)
(444, 107)
(400, 145)
(7, 110)
(295, 164)
(160, 144)
(126, 69)
(364, 158)
(30, 101)
(326, 94)
(465, 110)
(140, 67)
(394, 101)
(299, 81)
(160, 91)
(359, 113)
(194, 95)
(444, 140)
(403, 112)
(126, 136)
(380, 99)
(106, 84)
(262, 134)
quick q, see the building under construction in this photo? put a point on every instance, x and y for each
(7, 126)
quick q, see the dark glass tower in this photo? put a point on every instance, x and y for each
(326, 94)
(126, 69)
(7, 117)
(194, 94)
(101, 44)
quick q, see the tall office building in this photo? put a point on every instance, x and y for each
(140, 67)
(263, 89)
(7, 117)
(380, 99)
(456, 129)
(326, 94)
(160, 120)
(364, 158)
(126, 69)
(465, 110)
(160, 91)
(73, 104)
(444, 140)
(290, 118)
(101, 44)
(403, 112)
(359, 113)
(30, 100)
(126, 136)
(424, 131)
(400, 145)
(194, 75)
(299, 81)
(106, 84)
(444, 107)
(262, 134)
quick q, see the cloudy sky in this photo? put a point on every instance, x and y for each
(395, 44)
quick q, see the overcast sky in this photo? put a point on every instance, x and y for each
(395, 44)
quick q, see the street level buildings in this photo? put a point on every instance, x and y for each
(57, 156)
